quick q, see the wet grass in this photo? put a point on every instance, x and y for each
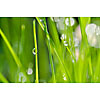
(53, 59)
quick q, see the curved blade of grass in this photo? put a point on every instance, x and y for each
(11, 50)
(36, 57)
(3, 79)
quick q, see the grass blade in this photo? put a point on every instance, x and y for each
(3, 79)
(36, 57)
(11, 50)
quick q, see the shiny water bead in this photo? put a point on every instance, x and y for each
(90, 29)
(63, 37)
(64, 77)
(65, 43)
(34, 51)
(29, 71)
(22, 78)
(93, 35)
(42, 21)
(69, 21)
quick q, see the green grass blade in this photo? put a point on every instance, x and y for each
(3, 79)
(49, 48)
(36, 56)
(11, 50)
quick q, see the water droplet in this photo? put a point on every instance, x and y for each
(93, 35)
(90, 29)
(65, 43)
(63, 37)
(34, 51)
(22, 78)
(64, 77)
(42, 21)
(71, 20)
(29, 71)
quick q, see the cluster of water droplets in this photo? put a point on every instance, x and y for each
(64, 77)
(63, 38)
(63, 23)
(93, 35)
(69, 21)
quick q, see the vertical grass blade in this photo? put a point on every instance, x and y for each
(36, 56)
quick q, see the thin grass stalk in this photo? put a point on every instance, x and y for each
(36, 56)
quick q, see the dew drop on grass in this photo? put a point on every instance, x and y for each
(34, 51)
(29, 71)
(65, 43)
(22, 78)
(90, 29)
(93, 35)
(70, 22)
(63, 37)
(64, 77)
(42, 21)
